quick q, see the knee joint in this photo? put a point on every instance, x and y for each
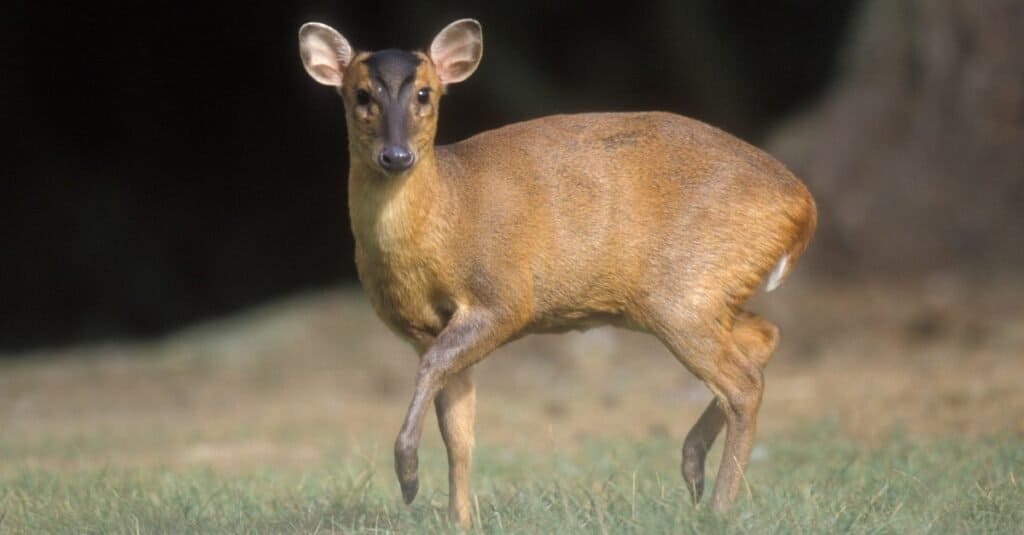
(755, 337)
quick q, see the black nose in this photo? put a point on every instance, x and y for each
(396, 158)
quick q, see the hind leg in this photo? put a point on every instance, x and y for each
(739, 390)
(728, 356)
(756, 338)
(695, 448)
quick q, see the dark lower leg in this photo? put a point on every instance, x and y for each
(468, 337)
(695, 447)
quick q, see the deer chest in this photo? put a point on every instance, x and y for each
(406, 293)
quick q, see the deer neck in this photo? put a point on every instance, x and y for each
(392, 213)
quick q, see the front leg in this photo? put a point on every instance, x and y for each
(456, 408)
(470, 335)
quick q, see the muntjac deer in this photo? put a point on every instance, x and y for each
(649, 221)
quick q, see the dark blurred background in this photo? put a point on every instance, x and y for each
(168, 162)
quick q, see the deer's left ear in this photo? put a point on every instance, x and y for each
(456, 50)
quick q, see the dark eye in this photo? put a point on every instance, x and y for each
(362, 97)
(423, 95)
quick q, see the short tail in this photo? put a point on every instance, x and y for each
(778, 273)
(806, 223)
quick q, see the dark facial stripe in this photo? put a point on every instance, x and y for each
(396, 119)
(394, 70)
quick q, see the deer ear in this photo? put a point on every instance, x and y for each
(456, 50)
(325, 53)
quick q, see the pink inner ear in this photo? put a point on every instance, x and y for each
(322, 64)
(325, 53)
(452, 72)
(328, 74)
(457, 62)
(456, 50)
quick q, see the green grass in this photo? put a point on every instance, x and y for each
(815, 482)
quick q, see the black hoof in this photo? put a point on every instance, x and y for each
(696, 488)
(407, 467)
(409, 489)
(693, 473)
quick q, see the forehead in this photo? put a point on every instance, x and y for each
(392, 67)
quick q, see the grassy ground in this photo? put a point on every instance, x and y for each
(888, 409)
(816, 482)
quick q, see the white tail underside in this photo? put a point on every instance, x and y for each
(778, 273)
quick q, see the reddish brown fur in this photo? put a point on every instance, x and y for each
(651, 221)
